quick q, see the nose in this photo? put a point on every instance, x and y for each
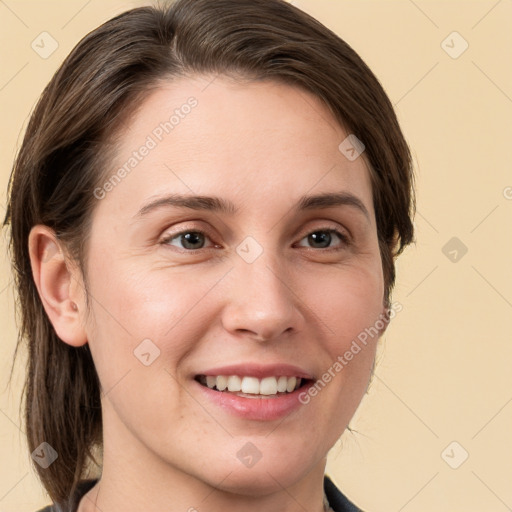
(262, 302)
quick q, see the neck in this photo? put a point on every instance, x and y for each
(135, 478)
(186, 494)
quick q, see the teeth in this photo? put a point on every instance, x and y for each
(268, 385)
(282, 384)
(221, 382)
(252, 385)
(234, 383)
(291, 384)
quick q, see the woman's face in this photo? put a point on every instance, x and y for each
(250, 283)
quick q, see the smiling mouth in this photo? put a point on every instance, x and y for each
(252, 387)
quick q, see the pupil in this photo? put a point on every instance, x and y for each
(190, 239)
(320, 237)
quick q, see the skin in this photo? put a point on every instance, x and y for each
(262, 145)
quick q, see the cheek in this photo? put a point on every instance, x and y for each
(141, 329)
(138, 303)
(138, 311)
(348, 306)
(345, 300)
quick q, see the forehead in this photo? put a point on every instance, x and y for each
(248, 140)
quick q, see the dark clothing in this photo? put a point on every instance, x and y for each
(337, 501)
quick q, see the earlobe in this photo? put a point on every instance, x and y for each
(56, 281)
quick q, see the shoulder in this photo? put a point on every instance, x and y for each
(82, 487)
(338, 501)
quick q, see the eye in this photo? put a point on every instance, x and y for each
(189, 240)
(322, 238)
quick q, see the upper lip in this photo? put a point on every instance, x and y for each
(258, 370)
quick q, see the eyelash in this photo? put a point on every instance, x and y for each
(345, 241)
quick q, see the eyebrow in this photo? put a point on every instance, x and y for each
(220, 205)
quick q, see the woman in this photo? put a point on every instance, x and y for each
(205, 212)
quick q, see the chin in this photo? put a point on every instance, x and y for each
(263, 478)
(257, 483)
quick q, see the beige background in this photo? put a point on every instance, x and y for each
(444, 365)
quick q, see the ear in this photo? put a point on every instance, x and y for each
(59, 283)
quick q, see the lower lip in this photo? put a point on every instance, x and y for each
(261, 409)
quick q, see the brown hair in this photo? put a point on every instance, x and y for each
(64, 154)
